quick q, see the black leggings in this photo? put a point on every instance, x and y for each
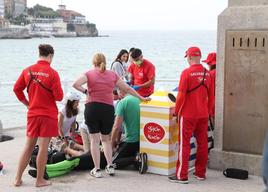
(99, 117)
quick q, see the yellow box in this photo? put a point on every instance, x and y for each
(159, 134)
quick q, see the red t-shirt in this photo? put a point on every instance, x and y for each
(213, 81)
(141, 74)
(101, 86)
(196, 102)
(41, 101)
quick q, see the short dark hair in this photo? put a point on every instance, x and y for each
(131, 49)
(45, 50)
(136, 53)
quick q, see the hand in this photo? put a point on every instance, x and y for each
(145, 99)
(128, 82)
(175, 117)
(136, 87)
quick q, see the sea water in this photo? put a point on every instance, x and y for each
(165, 49)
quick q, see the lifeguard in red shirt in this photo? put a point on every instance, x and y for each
(193, 103)
(43, 86)
(211, 61)
(142, 74)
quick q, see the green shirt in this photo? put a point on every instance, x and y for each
(129, 109)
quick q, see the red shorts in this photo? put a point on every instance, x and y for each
(42, 126)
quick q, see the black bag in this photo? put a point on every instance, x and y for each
(236, 173)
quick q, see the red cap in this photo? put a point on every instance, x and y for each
(211, 59)
(193, 51)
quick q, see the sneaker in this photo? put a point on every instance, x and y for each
(95, 173)
(110, 169)
(174, 179)
(143, 163)
(145, 157)
(199, 178)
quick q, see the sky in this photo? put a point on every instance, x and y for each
(145, 14)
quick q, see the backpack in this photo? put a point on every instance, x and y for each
(235, 173)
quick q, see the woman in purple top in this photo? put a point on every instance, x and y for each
(99, 109)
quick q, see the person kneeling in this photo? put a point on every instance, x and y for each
(127, 113)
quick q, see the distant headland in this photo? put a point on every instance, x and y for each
(19, 22)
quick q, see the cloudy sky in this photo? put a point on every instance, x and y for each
(145, 14)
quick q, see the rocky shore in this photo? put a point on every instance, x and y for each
(14, 33)
(23, 33)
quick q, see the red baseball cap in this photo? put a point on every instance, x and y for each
(211, 59)
(193, 51)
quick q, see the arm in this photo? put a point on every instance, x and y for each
(79, 82)
(118, 69)
(131, 77)
(73, 128)
(56, 88)
(148, 83)
(179, 102)
(122, 85)
(60, 124)
(211, 96)
(150, 76)
(181, 96)
(18, 88)
(116, 128)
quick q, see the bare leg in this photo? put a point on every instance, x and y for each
(78, 147)
(95, 149)
(42, 161)
(107, 147)
(86, 141)
(24, 159)
(72, 152)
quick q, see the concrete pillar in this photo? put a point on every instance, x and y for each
(242, 81)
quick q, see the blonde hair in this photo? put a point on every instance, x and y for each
(99, 60)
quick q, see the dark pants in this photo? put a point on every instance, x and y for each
(265, 163)
(126, 154)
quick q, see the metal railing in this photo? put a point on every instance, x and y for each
(66, 85)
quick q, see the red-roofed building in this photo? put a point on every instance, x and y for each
(70, 16)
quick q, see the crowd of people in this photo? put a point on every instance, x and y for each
(110, 132)
(44, 121)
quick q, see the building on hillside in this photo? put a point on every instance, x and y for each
(70, 16)
(14, 8)
(9, 8)
(2, 8)
(4, 23)
(47, 26)
(20, 7)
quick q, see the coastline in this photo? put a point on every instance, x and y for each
(23, 33)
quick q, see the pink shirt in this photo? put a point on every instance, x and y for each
(100, 86)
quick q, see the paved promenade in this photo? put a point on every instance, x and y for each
(123, 181)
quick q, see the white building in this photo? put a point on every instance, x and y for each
(78, 20)
(19, 7)
(2, 8)
(70, 16)
(48, 26)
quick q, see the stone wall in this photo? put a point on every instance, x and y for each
(241, 15)
(88, 30)
(14, 33)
